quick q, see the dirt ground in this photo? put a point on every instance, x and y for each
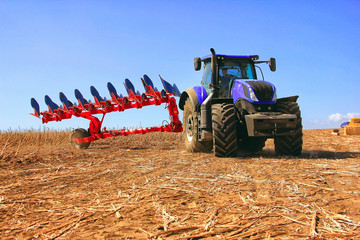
(148, 187)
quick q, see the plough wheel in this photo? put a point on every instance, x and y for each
(80, 133)
(190, 132)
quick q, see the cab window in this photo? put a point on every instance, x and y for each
(206, 79)
(247, 71)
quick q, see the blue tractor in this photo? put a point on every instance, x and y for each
(232, 110)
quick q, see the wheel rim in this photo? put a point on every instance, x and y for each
(189, 128)
(75, 144)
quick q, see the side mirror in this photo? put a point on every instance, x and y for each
(272, 64)
(197, 63)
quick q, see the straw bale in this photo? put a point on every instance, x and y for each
(352, 130)
(354, 122)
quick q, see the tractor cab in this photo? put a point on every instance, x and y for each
(221, 71)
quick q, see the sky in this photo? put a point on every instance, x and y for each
(52, 46)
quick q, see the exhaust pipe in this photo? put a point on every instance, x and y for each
(214, 77)
(205, 108)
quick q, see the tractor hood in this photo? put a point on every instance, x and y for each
(254, 91)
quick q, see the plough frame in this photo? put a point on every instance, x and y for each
(118, 103)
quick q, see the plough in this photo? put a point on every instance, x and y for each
(82, 138)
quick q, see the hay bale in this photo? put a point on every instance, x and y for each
(352, 130)
(355, 122)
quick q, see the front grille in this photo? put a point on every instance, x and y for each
(263, 90)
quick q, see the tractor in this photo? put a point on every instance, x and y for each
(234, 111)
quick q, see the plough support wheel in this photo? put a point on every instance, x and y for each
(79, 133)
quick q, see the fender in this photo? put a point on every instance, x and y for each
(197, 95)
(288, 99)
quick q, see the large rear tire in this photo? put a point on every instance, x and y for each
(191, 131)
(224, 130)
(79, 133)
(291, 144)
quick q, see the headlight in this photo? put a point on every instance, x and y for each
(274, 97)
(252, 95)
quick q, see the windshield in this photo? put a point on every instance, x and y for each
(230, 71)
(241, 71)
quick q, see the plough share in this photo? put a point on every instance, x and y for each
(82, 138)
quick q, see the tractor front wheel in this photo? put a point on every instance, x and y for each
(78, 134)
(291, 144)
(224, 130)
(191, 131)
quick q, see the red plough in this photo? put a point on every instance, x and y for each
(82, 138)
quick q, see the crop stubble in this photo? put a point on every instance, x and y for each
(148, 187)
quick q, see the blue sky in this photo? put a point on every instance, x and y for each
(52, 46)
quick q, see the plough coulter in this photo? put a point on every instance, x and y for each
(82, 138)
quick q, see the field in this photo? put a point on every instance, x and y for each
(148, 187)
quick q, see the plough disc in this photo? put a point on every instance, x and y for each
(82, 138)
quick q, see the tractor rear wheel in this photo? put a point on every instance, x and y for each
(291, 144)
(191, 131)
(80, 133)
(224, 130)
